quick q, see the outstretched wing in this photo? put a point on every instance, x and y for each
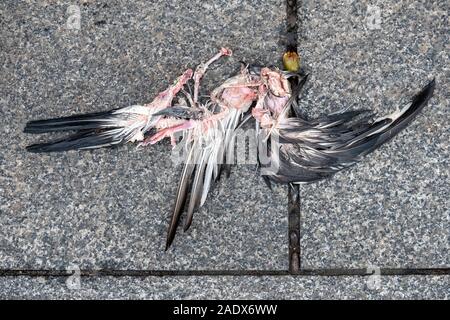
(94, 130)
(109, 128)
(309, 150)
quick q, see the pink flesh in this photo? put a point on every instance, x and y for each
(201, 70)
(169, 132)
(276, 104)
(239, 97)
(238, 92)
(165, 123)
(276, 82)
(259, 113)
(263, 117)
(164, 99)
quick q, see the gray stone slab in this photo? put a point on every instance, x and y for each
(227, 287)
(393, 209)
(110, 208)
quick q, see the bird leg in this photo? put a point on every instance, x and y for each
(201, 70)
(164, 99)
(170, 132)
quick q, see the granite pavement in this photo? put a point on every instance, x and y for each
(110, 208)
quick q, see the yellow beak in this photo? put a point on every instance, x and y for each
(291, 61)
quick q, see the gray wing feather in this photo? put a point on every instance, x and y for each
(316, 149)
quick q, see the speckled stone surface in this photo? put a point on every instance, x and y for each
(110, 208)
(393, 209)
(284, 287)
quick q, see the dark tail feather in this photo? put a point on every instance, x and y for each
(418, 103)
(183, 188)
(76, 122)
(180, 203)
(85, 140)
(196, 193)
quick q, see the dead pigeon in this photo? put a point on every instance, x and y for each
(290, 148)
